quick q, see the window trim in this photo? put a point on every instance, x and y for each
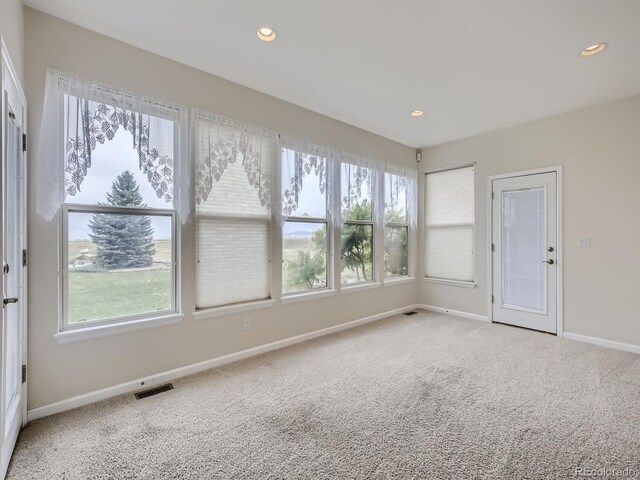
(301, 295)
(406, 224)
(376, 191)
(449, 281)
(67, 208)
(99, 93)
(108, 329)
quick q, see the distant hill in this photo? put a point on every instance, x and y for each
(299, 234)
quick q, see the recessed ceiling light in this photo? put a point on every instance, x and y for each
(266, 34)
(417, 113)
(593, 49)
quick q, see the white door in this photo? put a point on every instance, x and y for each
(12, 401)
(525, 244)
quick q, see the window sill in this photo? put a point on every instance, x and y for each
(231, 309)
(398, 281)
(97, 331)
(454, 283)
(303, 297)
(361, 287)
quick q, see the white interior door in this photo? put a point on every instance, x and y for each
(12, 398)
(525, 244)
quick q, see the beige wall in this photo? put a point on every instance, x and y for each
(59, 371)
(599, 148)
(12, 30)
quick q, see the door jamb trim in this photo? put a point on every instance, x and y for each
(5, 61)
(559, 248)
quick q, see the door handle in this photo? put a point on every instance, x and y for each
(9, 300)
(550, 261)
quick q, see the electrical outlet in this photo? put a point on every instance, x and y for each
(247, 324)
(584, 242)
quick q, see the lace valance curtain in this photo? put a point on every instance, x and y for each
(311, 160)
(80, 115)
(227, 148)
(359, 176)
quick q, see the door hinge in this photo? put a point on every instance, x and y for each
(24, 142)
(493, 247)
(493, 195)
(493, 299)
(24, 373)
(24, 258)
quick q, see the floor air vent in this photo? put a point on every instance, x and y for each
(408, 314)
(154, 391)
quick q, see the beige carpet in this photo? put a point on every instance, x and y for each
(426, 396)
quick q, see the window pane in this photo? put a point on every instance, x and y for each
(524, 272)
(119, 265)
(395, 198)
(304, 185)
(449, 252)
(356, 191)
(357, 253)
(304, 254)
(395, 251)
(233, 262)
(102, 141)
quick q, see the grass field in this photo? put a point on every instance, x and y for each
(100, 295)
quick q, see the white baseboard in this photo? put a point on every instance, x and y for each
(131, 386)
(603, 342)
(627, 347)
(455, 313)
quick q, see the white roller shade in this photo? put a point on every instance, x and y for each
(449, 232)
(233, 262)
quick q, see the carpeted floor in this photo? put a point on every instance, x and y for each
(427, 396)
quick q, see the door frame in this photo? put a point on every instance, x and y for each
(5, 62)
(560, 245)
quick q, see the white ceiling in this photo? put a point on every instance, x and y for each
(471, 65)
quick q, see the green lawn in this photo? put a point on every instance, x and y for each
(101, 295)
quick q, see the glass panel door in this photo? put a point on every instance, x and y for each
(524, 265)
(524, 236)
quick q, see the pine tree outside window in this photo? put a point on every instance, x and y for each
(119, 214)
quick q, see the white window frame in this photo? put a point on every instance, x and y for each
(273, 230)
(104, 209)
(375, 204)
(328, 269)
(447, 281)
(406, 224)
(299, 295)
(96, 328)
